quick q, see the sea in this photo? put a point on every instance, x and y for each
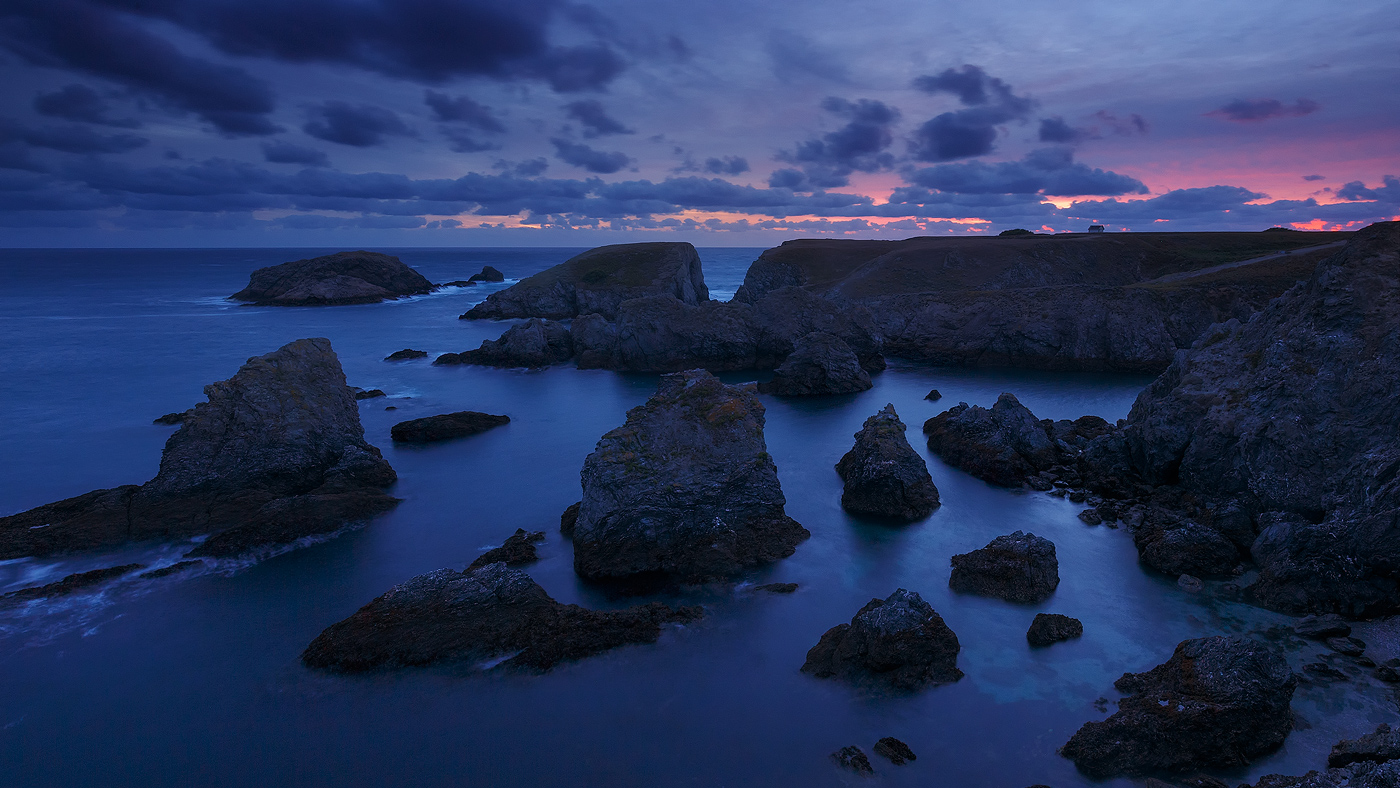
(195, 679)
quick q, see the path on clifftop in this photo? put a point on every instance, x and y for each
(1227, 266)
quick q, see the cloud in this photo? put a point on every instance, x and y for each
(80, 103)
(581, 155)
(1314, 177)
(575, 69)
(795, 58)
(1356, 190)
(595, 120)
(464, 110)
(972, 131)
(1057, 130)
(287, 153)
(1247, 111)
(357, 125)
(858, 145)
(525, 169)
(1049, 171)
(1125, 127)
(70, 139)
(729, 165)
(463, 141)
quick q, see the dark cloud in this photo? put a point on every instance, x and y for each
(1057, 130)
(357, 125)
(975, 87)
(581, 155)
(595, 120)
(465, 142)
(1246, 111)
(795, 57)
(86, 37)
(972, 131)
(1049, 171)
(1125, 127)
(787, 178)
(575, 69)
(70, 139)
(859, 145)
(464, 110)
(80, 103)
(1314, 177)
(1356, 190)
(729, 165)
(524, 169)
(287, 153)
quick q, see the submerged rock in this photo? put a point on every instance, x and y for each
(898, 643)
(853, 758)
(685, 488)
(777, 588)
(883, 475)
(821, 364)
(72, 583)
(446, 426)
(1004, 445)
(534, 343)
(1218, 703)
(406, 354)
(1050, 628)
(519, 548)
(490, 613)
(1018, 567)
(276, 453)
(335, 279)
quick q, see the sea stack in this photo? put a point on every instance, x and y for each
(883, 475)
(896, 643)
(334, 280)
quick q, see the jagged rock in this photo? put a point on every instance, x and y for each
(1003, 445)
(367, 393)
(1379, 746)
(821, 364)
(519, 548)
(777, 588)
(170, 419)
(534, 343)
(445, 426)
(1050, 628)
(487, 614)
(1018, 567)
(883, 476)
(1358, 775)
(853, 758)
(277, 453)
(685, 488)
(1219, 702)
(406, 354)
(487, 274)
(72, 583)
(599, 281)
(173, 569)
(897, 751)
(1328, 625)
(335, 279)
(898, 643)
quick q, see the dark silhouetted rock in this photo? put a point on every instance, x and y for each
(898, 643)
(1019, 567)
(883, 475)
(853, 758)
(1218, 703)
(406, 354)
(174, 569)
(1364, 774)
(367, 393)
(491, 613)
(519, 549)
(1091, 517)
(933, 395)
(336, 279)
(171, 418)
(685, 488)
(777, 588)
(821, 364)
(1328, 625)
(1352, 647)
(1049, 628)
(599, 281)
(1003, 445)
(277, 453)
(1379, 746)
(446, 426)
(897, 751)
(487, 274)
(534, 343)
(72, 583)
(568, 519)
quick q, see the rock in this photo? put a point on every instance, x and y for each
(777, 588)
(1051, 628)
(1019, 567)
(491, 613)
(883, 476)
(534, 343)
(72, 583)
(458, 283)
(519, 548)
(406, 354)
(1352, 647)
(1189, 584)
(897, 751)
(335, 279)
(171, 418)
(568, 519)
(1091, 517)
(1218, 703)
(599, 281)
(1388, 674)
(1379, 746)
(821, 364)
(173, 569)
(933, 395)
(686, 488)
(1003, 445)
(1175, 546)
(487, 274)
(853, 758)
(277, 453)
(1328, 625)
(367, 393)
(445, 426)
(1358, 775)
(898, 643)
(1323, 670)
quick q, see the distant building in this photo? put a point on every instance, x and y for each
(1095, 228)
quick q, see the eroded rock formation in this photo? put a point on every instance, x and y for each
(820, 364)
(1018, 567)
(898, 643)
(335, 279)
(883, 475)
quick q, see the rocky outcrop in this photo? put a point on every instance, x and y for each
(1357, 775)
(897, 643)
(335, 279)
(1004, 445)
(853, 758)
(446, 426)
(685, 488)
(882, 474)
(170, 419)
(1378, 746)
(1018, 567)
(407, 354)
(492, 614)
(487, 274)
(71, 584)
(895, 750)
(1050, 628)
(820, 364)
(534, 343)
(519, 549)
(599, 281)
(276, 453)
(1219, 702)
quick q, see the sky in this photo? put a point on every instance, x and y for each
(723, 123)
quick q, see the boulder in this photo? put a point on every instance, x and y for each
(493, 614)
(599, 281)
(853, 758)
(367, 393)
(519, 548)
(406, 354)
(72, 583)
(898, 643)
(883, 476)
(446, 426)
(1379, 746)
(534, 343)
(276, 453)
(487, 274)
(897, 751)
(1003, 445)
(1019, 567)
(1051, 628)
(933, 395)
(1218, 703)
(335, 279)
(821, 364)
(685, 488)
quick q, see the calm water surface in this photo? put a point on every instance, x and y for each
(195, 680)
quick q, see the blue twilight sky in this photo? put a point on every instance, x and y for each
(541, 122)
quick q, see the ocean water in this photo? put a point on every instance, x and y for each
(195, 679)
